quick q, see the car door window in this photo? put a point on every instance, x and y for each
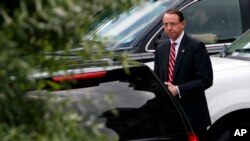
(214, 21)
(120, 31)
(137, 106)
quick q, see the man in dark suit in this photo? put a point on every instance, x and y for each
(183, 64)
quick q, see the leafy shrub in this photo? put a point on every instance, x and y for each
(29, 29)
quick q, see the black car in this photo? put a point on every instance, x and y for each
(131, 102)
(139, 30)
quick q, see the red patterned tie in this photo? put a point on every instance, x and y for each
(171, 62)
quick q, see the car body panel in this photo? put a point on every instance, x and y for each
(230, 90)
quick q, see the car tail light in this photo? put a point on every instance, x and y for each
(79, 76)
(192, 137)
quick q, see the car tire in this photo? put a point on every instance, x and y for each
(221, 130)
(219, 133)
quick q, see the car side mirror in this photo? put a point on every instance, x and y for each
(224, 51)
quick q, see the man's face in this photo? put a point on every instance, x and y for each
(172, 26)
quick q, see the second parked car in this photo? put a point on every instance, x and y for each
(138, 30)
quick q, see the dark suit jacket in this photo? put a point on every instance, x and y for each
(192, 73)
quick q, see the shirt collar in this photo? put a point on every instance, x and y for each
(178, 40)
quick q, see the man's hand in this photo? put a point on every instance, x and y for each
(172, 88)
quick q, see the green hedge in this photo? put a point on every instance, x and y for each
(28, 30)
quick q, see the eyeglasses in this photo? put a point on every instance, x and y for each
(171, 24)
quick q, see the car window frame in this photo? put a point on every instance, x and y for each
(211, 48)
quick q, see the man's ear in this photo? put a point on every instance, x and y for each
(184, 24)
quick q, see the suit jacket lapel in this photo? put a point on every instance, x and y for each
(181, 52)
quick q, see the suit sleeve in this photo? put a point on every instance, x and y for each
(203, 72)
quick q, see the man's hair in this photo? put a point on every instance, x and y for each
(177, 12)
